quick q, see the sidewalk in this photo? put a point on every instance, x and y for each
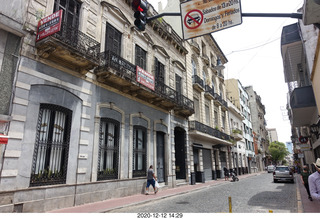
(111, 204)
(304, 205)
(307, 206)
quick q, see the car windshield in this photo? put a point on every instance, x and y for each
(282, 168)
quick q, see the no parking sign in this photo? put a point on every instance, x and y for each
(200, 17)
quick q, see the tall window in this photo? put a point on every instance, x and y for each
(141, 57)
(50, 158)
(196, 109)
(139, 151)
(208, 118)
(178, 84)
(71, 11)
(113, 40)
(108, 149)
(194, 67)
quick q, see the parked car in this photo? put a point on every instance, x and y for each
(270, 168)
(283, 173)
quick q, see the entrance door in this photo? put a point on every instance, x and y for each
(160, 156)
(179, 145)
(207, 164)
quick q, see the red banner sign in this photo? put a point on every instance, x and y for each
(49, 25)
(145, 78)
(3, 139)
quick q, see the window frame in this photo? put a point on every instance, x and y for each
(49, 146)
(136, 171)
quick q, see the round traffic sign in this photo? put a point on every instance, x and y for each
(193, 19)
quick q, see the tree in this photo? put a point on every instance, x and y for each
(278, 151)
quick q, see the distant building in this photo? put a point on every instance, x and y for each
(273, 135)
(260, 134)
(289, 146)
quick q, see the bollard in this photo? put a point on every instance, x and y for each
(230, 205)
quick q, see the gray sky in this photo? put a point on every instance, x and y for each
(254, 56)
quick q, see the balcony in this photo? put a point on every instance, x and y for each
(303, 105)
(198, 83)
(209, 92)
(195, 127)
(120, 74)
(220, 102)
(70, 48)
(237, 134)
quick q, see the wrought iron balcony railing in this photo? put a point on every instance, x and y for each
(126, 70)
(123, 67)
(221, 101)
(197, 126)
(84, 44)
(197, 80)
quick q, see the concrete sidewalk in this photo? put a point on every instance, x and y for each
(304, 205)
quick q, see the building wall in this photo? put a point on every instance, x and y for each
(40, 80)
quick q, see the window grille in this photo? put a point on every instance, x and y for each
(139, 151)
(50, 159)
(108, 149)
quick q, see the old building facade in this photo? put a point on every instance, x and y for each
(259, 124)
(85, 122)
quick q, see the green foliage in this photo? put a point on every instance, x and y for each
(278, 151)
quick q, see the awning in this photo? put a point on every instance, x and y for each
(4, 139)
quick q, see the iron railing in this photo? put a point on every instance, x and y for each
(79, 41)
(108, 149)
(127, 70)
(197, 80)
(195, 125)
(209, 90)
(221, 100)
(50, 158)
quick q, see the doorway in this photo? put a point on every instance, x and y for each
(179, 145)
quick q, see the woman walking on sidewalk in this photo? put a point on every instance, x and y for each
(304, 177)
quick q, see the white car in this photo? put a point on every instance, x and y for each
(270, 168)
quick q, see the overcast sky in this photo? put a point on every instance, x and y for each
(254, 56)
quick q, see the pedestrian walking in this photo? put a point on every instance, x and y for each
(226, 174)
(304, 177)
(151, 180)
(314, 181)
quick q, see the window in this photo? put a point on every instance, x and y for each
(194, 67)
(215, 118)
(71, 11)
(139, 151)
(113, 40)
(178, 84)
(141, 59)
(108, 149)
(159, 76)
(50, 158)
(160, 71)
(196, 109)
(208, 118)
(204, 77)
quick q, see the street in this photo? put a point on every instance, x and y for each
(257, 194)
